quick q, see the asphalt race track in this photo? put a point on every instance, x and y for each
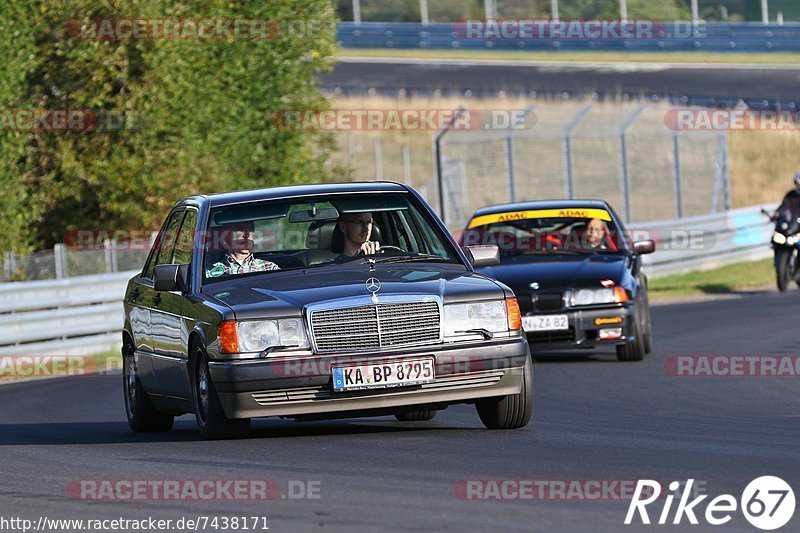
(759, 86)
(594, 419)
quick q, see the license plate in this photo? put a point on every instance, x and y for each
(545, 323)
(397, 373)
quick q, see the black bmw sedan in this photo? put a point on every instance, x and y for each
(318, 301)
(578, 278)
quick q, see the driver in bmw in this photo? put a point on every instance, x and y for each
(357, 229)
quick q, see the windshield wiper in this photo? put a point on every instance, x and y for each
(410, 258)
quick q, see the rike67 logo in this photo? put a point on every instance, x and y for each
(767, 503)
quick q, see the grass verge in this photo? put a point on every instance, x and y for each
(730, 279)
(778, 58)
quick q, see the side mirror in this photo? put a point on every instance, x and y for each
(171, 278)
(483, 255)
(644, 247)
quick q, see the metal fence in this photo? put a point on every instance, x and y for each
(624, 154)
(64, 262)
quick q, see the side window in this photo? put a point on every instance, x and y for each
(427, 236)
(164, 243)
(185, 240)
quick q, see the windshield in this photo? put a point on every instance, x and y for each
(536, 232)
(263, 237)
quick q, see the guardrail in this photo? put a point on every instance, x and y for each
(709, 37)
(707, 241)
(70, 316)
(84, 314)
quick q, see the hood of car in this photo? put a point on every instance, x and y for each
(558, 271)
(284, 294)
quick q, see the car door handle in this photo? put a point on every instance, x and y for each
(157, 299)
(134, 294)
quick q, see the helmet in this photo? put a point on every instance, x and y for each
(796, 180)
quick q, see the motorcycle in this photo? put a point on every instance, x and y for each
(786, 245)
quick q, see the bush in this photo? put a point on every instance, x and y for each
(198, 112)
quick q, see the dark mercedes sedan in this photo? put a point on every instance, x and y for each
(578, 278)
(318, 301)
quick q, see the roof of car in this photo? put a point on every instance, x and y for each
(293, 191)
(541, 204)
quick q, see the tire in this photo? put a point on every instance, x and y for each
(415, 416)
(782, 269)
(143, 417)
(633, 351)
(648, 332)
(210, 416)
(512, 411)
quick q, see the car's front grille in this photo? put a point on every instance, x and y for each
(376, 326)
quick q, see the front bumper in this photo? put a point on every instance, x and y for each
(302, 386)
(584, 328)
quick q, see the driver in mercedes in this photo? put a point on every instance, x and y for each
(357, 229)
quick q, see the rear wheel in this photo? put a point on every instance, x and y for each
(208, 410)
(512, 411)
(415, 416)
(633, 351)
(143, 417)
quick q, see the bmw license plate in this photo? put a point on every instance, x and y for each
(545, 323)
(397, 373)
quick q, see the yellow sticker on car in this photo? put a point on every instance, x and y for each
(606, 321)
(484, 220)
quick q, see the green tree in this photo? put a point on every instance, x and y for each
(199, 112)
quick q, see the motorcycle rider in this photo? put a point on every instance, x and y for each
(791, 202)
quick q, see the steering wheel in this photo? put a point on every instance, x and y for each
(390, 247)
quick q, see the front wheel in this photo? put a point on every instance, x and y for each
(208, 410)
(512, 411)
(648, 331)
(784, 269)
(143, 417)
(633, 351)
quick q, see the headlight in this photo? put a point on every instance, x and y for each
(581, 297)
(489, 316)
(258, 335)
(778, 238)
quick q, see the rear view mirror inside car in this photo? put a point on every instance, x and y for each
(314, 215)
